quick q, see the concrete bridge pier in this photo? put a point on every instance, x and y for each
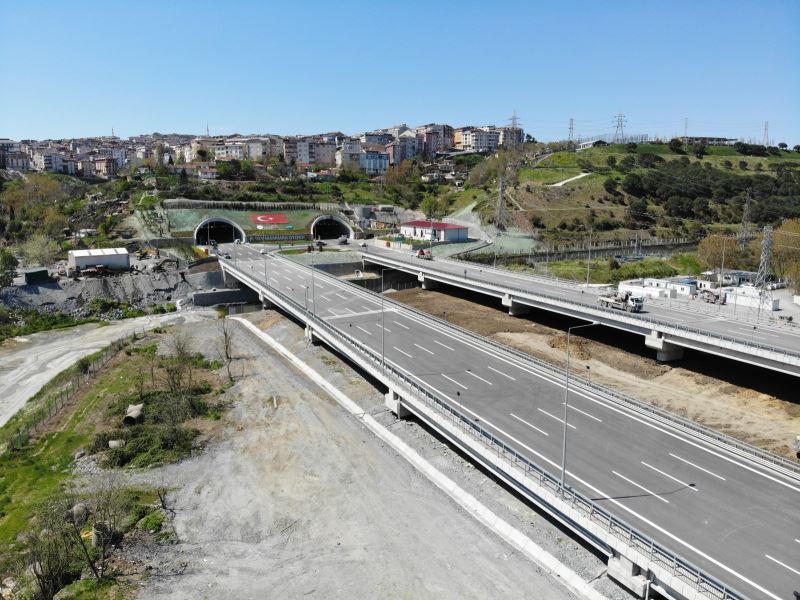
(311, 336)
(394, 403)
(628, 574)
(515, 309)
(666, 351)
(427, 284)
(266, 304)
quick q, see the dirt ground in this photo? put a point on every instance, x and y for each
(291, 497)
(753, 416)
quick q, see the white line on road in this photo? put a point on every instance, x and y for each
(365, 307)
(641, 487)
(454, 381)
(333, 313)
(444, 345)
(583, 412)
(386, 329)
(340, 296)
(796, 540)
(424, 348)
(362, 329)
(503, 374)
(401, 325)
(552, 416)
(401, 352)
(529, 425)
(319, 285)
(696, 466)
(273, 279)
(775, 560)
(683, 483)
(478, 377)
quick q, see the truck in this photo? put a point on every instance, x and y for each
(712, 296)
(622, 301)
(423, 254)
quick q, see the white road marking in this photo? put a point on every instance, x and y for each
(583, 412)
(796, 540)
(273, 279)
(683, 483)
(285, 277)
(443, 345)
(387, 330)
(529, 424)
(401, 352)
(365, 307)
(454, 381)
(340, 296)
(423, 348)
(503, 374)
(775, 560)
(641, 487)
(352, 312)
(333, 313)
(600, 492)
(696, 466)
(552, 416)
(479, 377)
(401, 325)
(319, 285)
(362, 329)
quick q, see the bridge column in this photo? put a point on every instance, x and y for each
(309, 335)
(515, 309)
(427, 284)
(628, 574)
(394, 403)
(266, 304)
(665, 351)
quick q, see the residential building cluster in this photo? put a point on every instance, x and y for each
(372, 152)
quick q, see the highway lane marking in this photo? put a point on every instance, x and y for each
(285, 277)
(641, 487)
(600, 492)
(796, 540)
(478, 377)
(366, 307)
(443, 345)
(352, 312)
(423, 348)
(503, 374)
(387, 330)
(683, 483)
(775, 560)
(529, 424)
(552, 416)
(340, 296)
(320, 285)
(697, 466)
(335, 314)
(401, 325)
(360, 314)
(454, 381)
(273, 279)
(583, 412)
(402, 352)
(364, 330)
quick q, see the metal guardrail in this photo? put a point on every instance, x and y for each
(637, 319)
(595, 513)
(622, 399)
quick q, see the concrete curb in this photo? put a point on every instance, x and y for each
(571, 580)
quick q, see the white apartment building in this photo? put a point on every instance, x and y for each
(373, 162)
(349, 155)
(479, 139)
(236, 150)
(47, 161)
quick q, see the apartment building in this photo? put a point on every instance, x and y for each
(47, 161)
(348, 156)
(373, 161)
(435, 138)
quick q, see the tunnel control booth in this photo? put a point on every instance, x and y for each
(330, 227)
(219, 230)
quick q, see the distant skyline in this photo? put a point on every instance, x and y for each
(82, 68)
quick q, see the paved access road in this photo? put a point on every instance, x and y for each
(736, 520)
(780, 337)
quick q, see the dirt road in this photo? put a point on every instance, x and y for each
(293, 497)
(26, 364)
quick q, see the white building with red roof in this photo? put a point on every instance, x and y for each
(437, 231)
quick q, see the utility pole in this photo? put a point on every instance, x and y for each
(619, 128)
(763, 266)
(685, 130)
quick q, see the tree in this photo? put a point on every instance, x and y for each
(611, 161)
(54, 223)
(627, 163)
(786, 250)
(46, 548)
(675, 145)
(430, 207)
(632, 184)
(796, 147)
(183, 178)
(783, 145)
(610, 186)
(631, 146)
(8, 267)
(637, 211)
(743, 165)
(39, 250)
(728, 164)
(699, 150)
(226, 346)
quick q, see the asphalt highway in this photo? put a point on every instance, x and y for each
(731, 517)
(781, 337)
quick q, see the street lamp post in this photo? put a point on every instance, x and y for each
(566, 402)
(383, 323)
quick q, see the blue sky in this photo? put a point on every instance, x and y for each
(80, 68)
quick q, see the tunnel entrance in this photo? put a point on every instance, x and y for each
(219, 230)
(329, 227)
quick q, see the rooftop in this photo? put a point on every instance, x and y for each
(434, 224)
(98, 252)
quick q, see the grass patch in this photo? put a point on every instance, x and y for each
(607, 270)
(16, 321)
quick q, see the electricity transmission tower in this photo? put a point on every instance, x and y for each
(765, 140)
(572, 130)
(763, 266)
(619, 128)
(744, 233)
